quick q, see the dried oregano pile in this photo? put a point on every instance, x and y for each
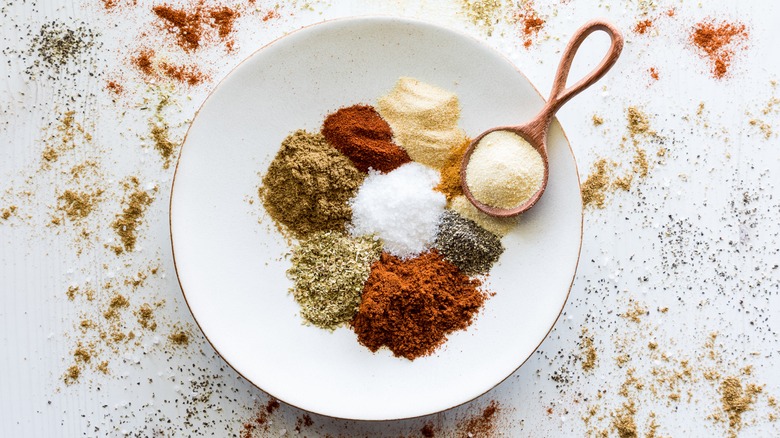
(382, 245)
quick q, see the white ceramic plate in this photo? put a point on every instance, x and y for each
(232, 269)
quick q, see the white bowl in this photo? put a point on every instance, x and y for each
(232, 269)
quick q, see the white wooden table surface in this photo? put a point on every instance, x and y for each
(699, 235)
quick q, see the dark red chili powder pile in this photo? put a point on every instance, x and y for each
(411, 306)
(718, 42)
(360, 133)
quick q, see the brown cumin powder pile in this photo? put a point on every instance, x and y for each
(126, 224)
(308, 185)
(718, 42)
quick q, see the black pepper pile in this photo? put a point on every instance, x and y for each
(466, 245)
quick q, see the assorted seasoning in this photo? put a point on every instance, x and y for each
(377, 182)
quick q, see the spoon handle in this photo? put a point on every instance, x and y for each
(559, 95)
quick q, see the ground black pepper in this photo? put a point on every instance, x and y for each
(466, 245)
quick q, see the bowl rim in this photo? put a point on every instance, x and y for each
(363, 18)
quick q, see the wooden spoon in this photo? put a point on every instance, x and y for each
(535, 131)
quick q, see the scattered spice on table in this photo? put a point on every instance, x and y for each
(58, 48)
(308, 185)
(126, 224)
(399, 207)
(155, 68)
(410, 306)
(483, 13)
(424, 119)
(504, 171)
(360, 133)
(145, 315)
(736, 400)
(595, 186)
(482, 424)
(466, 245)
(638, 122)
(7, 212)
(191, 25)
(653, 73)
(328, 272)
(67, 136)
(77, 205)
(450, 172)
(529, 21)
(179, 337)
(719, 43)
(115, 87)
(588, 351)
(643, 26)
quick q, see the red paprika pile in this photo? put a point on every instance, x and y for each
(411, 306)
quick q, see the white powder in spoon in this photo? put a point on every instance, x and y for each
(504, 170)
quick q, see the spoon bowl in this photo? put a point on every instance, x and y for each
(535, 130)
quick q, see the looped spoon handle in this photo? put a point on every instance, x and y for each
(537, 128)
(535, 131)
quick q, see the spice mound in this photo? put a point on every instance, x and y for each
(504, 171)
(361, 134)
(465, 244)
(411, 306)
(308, 186)
(329, 270)
(399, 207)
(424, 119)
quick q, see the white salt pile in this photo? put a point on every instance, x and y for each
(400, 207)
